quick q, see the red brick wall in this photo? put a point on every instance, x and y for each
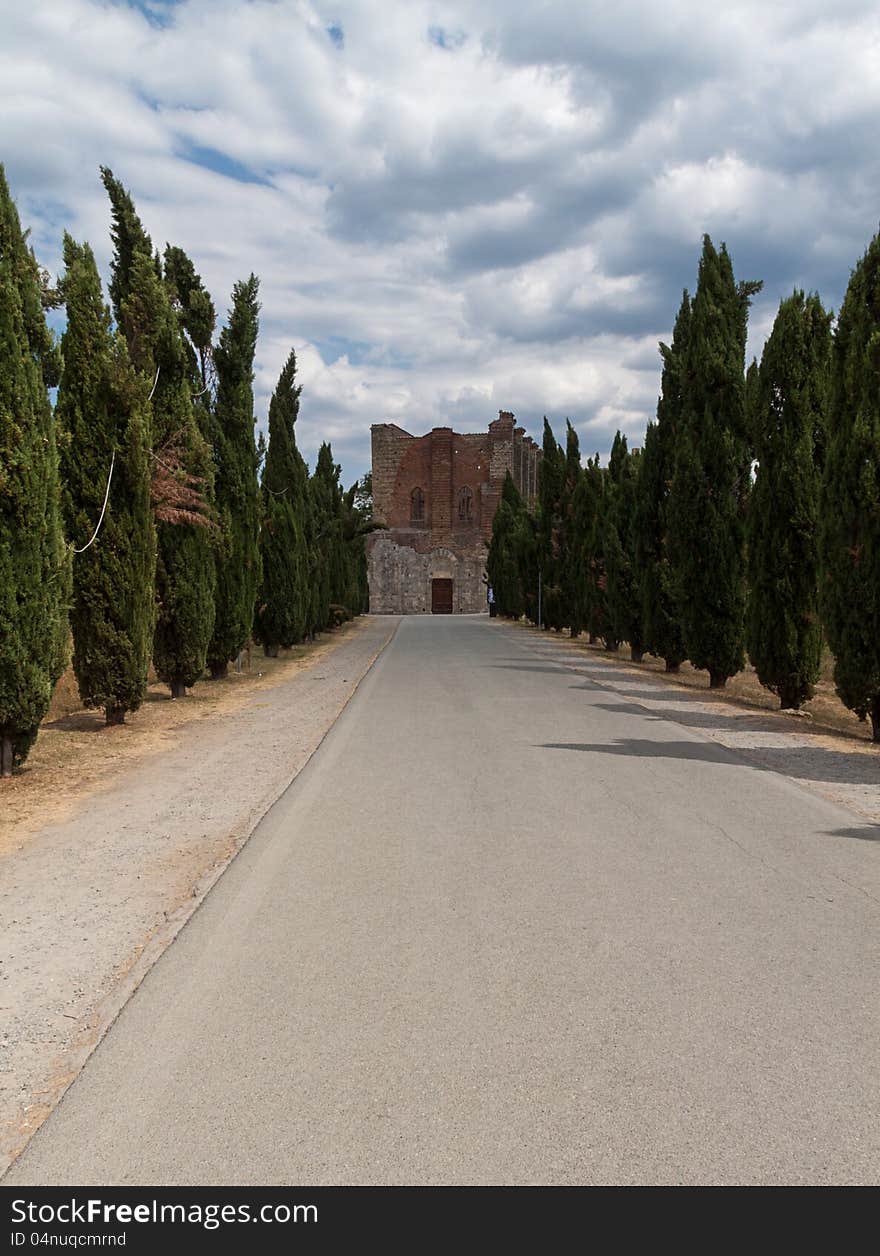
(441, 464)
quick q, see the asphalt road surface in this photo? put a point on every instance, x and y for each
(506, 927)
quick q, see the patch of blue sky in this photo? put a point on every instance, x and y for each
(359, 353)
(442, 38)
(337, 34)
(157, 12)
(220, 163)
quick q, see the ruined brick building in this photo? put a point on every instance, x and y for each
(437, 495)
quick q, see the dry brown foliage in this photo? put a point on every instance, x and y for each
(178, 496)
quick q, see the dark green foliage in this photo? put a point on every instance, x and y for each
(236, 492)
(661, 630)
(850, 503)
(183, 471)
(34, 562)
(789, 405)
(570, 573)
(549, 524)
(711, 477)
(194, 307)
(356, 523)
(335, 542)
(622, 601)
(504, 560)
(103, 417)
(284, 599)
(579, 556)
(592, 511)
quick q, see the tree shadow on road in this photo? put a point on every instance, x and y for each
(807, 763)
(865, 833)
(703, 719)
(529, 667)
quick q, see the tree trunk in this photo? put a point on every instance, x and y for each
(789, 700)
(636, 655)
(5, 755)
(875, 718)
(270, 651)
(114, 715)
(611, 646)
(178, 689)
(717, 680)
(672, 667)
(591, 639)
(219, 671)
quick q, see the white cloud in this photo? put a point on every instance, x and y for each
(456, 206)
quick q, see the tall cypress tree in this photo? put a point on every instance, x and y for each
(660, 623)
(503, 560)
(711, 477)
(850, 503)
(236, 491)
(329, 535)
(283, 600)
(34, 563)
(583, 509)
(354, 529)
(569, 571)
(185, 567)
(790, 401)
(103, 420)
(621, 591)
(551, 488)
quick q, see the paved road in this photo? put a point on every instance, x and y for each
(505, 927)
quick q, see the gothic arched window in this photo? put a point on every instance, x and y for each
(417, 506)
(465, 504)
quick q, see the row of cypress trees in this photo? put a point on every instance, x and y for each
(749, 523)
(132, 515)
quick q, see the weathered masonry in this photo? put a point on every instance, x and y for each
(437, 495)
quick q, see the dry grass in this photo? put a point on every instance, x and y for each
(825, 709)
(76, 754)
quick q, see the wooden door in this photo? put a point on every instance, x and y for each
(441, 597)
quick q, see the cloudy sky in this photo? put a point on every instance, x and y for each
(461, 207)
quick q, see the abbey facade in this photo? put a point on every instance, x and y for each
(437, 495)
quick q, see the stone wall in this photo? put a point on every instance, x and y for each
(460, 477)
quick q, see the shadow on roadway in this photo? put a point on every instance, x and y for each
(806, 763)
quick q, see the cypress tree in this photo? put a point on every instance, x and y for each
(185, 567)
(850, 502)
(790, 401)
(354, 529)
(329, 537)
(551, 488)
(594, 558)
(711, 476)
(660, 625)
(34, 563)
(503, 559)
(583, 506)
(283, 601)
(195, 309)
(236, 491)
(569, 571)
(621, 592)
(103, 421)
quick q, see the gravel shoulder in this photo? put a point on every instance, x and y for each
(841, 766)
(99, 873)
